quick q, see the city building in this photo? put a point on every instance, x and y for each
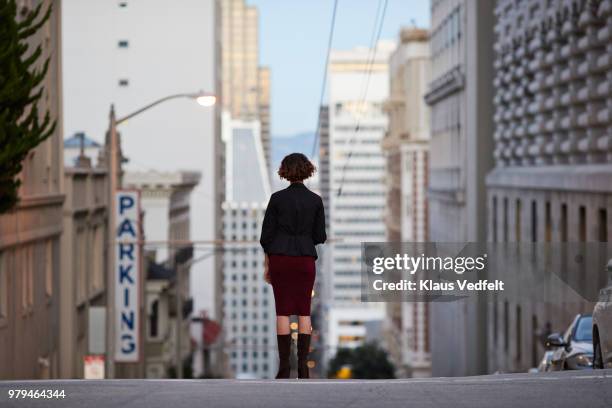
(249, 316)
(322, 286)
(553, 153)
(82, 288)
(165, 202)
(78, 146)
(246, 85)
(30, 235)
(406, 149)
(126, 71)
(264, 111)
(460, 98)
(358, 87)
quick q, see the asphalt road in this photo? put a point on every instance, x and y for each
(558, 390)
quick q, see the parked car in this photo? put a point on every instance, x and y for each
(602, 326)
(544, 365)
(574, 349)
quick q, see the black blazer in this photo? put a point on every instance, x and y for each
(294, 222)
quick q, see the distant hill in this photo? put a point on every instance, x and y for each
(284, 145)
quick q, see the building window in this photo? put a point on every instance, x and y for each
(505, 219)
(517, 232)
(519, 334)
(27, 278)
(563, 222)
(495, 321)
(123, 82)
(534, 221)
(582, 223)
(3, 287)
(154, 319)
(548, 221)
(49, 262)
(506, 325)
(603, 225)
(534, 341)
(123, 43)
(494, 219)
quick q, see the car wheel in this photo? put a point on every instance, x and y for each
(597, 357)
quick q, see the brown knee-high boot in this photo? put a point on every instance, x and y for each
(284, 351)
(302, 353)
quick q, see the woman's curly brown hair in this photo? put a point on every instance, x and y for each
(296, 167)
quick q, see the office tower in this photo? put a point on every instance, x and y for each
(553, 152)
(264, 110)
(460, 98)
(358, 86)
(248, 303)
(406, 149)
(30, 234)
(246, 85)
(136, 63)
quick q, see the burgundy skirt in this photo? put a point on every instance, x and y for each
(292, 281)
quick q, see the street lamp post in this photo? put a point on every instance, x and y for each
(204, 99)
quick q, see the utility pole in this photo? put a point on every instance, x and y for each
(110, 285)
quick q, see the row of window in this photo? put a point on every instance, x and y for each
(245, 315)
(245, 329)
(601, 214)
(234, 225)
(245, 290)
(254, 354)
(23, 259)
(254, 367)
(244, 302)
(446, 33)
(234, 264)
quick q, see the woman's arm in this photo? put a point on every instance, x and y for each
(268, 227)
(267, 269)
(319, 235)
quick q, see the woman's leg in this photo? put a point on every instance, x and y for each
(304, 330)
(304, 324)
(282, 325)
(283, 339)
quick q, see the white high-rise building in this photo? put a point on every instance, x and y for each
(406, 147)
(131, 53)
(248, 303)
(358, 87)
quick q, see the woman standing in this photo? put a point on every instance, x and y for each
(294, 223)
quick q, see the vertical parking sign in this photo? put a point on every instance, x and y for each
(127, 276)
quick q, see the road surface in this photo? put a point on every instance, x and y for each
(567, 389)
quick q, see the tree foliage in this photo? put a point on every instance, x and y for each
(21, 76)
(368, 361)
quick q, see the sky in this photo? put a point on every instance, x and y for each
(293, 43)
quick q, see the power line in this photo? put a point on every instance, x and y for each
(324, 83)
(373, 52)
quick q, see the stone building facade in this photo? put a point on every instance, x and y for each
(30, 235)
(460, 95)
(406, 149)
(552, 180)
(83, 266)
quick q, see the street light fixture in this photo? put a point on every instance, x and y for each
(205, 99)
